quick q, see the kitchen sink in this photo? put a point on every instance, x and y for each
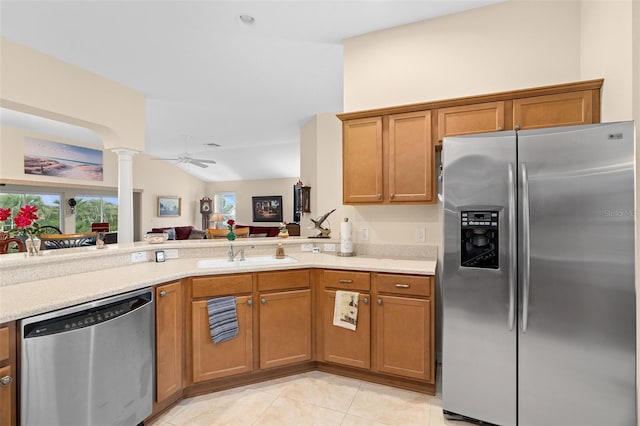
(249, 261)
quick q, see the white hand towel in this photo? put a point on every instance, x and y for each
(345, 310)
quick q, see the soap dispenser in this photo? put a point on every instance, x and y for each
(280, 251)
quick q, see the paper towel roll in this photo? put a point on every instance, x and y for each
(346, 243)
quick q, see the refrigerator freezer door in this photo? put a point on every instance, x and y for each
(576, 356)
(479, 340)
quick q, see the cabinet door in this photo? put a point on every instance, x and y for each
(468, 119)
(344, 346)
(285, 328)
(362, 160)
(168, 340)
(8, 402)
(404, 337)
(410, 157)
(564, 109)
(7, 397)
(215, 360)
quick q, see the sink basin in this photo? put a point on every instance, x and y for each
(249, 261)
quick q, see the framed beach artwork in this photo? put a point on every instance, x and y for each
(267, 209)
(169, 206)
(49, 158)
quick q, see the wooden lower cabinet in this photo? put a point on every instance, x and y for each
(344, 346)
(215, 360)
(8, 375)
(169, 340)
(404, 336)
(285, 328)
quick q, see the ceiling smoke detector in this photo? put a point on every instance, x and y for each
(247, 19)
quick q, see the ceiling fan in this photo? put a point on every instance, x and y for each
(188, 159)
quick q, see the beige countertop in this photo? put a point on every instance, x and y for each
(34, 297)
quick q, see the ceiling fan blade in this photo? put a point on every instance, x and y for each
(166, 159)
(204, 161)
(197, 163)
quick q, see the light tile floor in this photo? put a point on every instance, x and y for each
(313, 398)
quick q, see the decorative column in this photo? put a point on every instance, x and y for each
(125, 194)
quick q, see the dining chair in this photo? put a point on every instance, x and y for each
(7, 242)
(57, 241)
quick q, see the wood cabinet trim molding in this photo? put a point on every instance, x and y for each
(595, 85)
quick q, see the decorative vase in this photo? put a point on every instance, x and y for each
(32, 244)
(231, 235)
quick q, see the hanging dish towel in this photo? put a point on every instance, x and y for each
(223, 320)
(345, 310)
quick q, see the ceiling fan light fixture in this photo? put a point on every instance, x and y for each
(247, 19)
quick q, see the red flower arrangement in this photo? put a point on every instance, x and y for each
(230, 224)
(24, 221)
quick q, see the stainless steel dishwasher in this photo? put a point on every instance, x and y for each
(90, 364)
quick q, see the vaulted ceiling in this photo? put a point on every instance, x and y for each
(245, 75)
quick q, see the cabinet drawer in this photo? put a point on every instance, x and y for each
(346, 280)
(221, 285)
(281, 280)
(404, 284)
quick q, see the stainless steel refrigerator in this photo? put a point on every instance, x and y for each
(539, 315)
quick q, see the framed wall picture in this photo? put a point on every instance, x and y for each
(169, 206)
(267, 209)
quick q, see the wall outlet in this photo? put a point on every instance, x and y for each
(420, 235)
(139, 256)
(171, 253)
(306, 247)
(329, 247)
(364, 234)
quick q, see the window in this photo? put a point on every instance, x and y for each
(225, 203)
(49, 212)
(91, 209)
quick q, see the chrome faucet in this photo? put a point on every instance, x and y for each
(233, 254)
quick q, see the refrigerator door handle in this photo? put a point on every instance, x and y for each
(526, 259)
(512, 248)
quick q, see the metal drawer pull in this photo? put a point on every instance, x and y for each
(403, 285)
(263, 301)
(365, 301)
(6, 380)
(345, 281)
(163, 293)
(250, 302)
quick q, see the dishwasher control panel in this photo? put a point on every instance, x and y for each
(86, 318)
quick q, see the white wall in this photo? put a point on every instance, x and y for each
(249, 188)
(153, 178)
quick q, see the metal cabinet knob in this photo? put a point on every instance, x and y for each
(263, 300)
(500, 128)
(379, 196)
(250, 302)
(393, 195)
(379, 301)
(163, 293)
(365, 301)
(517, 127)
(6, 380)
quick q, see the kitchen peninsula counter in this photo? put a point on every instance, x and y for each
(31, 297)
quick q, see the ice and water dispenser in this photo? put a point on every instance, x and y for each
(479, 234)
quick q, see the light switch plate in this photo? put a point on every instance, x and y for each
(139, 256)
(329, 247)
(420, 235)
(364, 234)
(306, 247)
(171, 253)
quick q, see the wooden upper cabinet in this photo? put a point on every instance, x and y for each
(410, 158)
(362, 160)
(468, 119)
(564, 109)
